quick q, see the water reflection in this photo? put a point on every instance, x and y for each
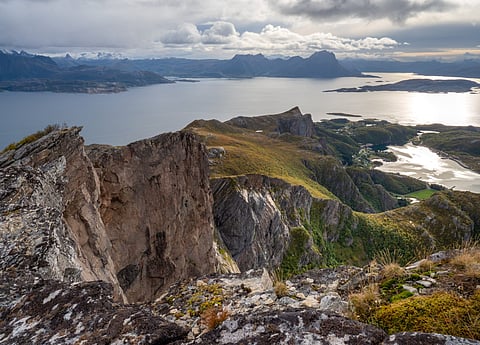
(451, 108)
(422, 163)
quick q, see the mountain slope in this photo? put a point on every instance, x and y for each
(249, 155)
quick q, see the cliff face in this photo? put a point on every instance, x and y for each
(156, 207)
(140, 219)
(49, 212)
(249, 222)
(266, 222)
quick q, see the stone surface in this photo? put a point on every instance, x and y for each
(417, 338)
(250, 217)
(83, 313)
(157, 209)
(292, 327)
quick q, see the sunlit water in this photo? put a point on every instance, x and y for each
(121, 118)
(424, 164)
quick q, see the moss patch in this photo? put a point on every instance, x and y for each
(443, 312)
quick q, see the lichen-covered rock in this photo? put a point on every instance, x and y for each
(418, 338)
(293, 327)
(83, 313)
(50, 226)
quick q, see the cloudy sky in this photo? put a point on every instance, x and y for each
(213, 28)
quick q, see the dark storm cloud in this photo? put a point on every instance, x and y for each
(397, 11)
(446, 36)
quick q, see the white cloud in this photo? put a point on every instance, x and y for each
(183, 34)
(219, 33)
(271, 40)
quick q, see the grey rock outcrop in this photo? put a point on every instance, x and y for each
(253, 215)
(293, 327)
(57, 313)
(291, 121)
(140, 219)
(50, 226)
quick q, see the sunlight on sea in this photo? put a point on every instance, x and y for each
(422, 163)
(443, 108)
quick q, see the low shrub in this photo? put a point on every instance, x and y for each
(214, 317)
(365, 303)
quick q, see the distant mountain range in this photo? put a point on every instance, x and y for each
(21, 71)
(321, 64)
(469, 68)
(26, 72)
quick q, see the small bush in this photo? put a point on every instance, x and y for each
(393, 270)
(467, 259)
(214, 317)
(385, 257)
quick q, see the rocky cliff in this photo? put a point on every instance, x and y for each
(291, 121)
(266, 222)
(155, 203)
(253, 215)
(138, 217)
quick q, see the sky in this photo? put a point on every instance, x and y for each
(377, 29)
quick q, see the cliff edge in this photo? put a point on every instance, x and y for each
(138, 217)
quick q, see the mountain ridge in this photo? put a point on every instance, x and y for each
(321, 64)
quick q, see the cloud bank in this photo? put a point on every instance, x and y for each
(271, 40)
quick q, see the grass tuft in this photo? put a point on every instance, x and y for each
(365, 303)
(32, 137)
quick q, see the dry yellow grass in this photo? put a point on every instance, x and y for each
(248, 152)
(365, 303)
(393, 270)
(468, 261)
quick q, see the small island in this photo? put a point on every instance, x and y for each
(343, 114)
(418, 85)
